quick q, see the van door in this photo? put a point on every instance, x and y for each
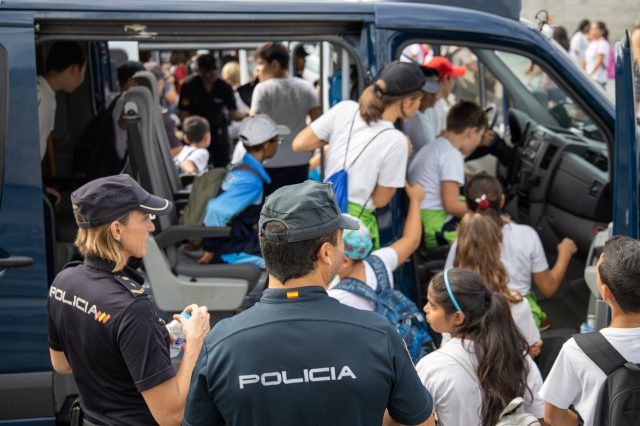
(25, 368)
(626, 151)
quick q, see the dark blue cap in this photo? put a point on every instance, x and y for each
(105, 199)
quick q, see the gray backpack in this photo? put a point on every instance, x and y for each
(508, 417)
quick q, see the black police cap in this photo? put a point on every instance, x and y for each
(106, 199)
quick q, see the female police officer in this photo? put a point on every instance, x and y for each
(102, 326)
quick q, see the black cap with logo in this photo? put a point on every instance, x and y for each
(106, 199)
(403, 78)
(308, 210)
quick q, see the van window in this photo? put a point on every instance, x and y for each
(4, 99)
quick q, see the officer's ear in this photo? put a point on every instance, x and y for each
(116, 229)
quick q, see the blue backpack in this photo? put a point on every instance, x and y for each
(397, 308)
(340, 179)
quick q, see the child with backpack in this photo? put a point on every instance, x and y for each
(194, 158)
(368, 156)
(590, 372)
(478, 249)
(483, 370)
(366, 277)
(522, 253)
(439, 168)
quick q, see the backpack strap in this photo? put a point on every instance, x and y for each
(600, 351)
(380, 269)
(245, 166)
(357, 287)
(365, 147)
(346, 153)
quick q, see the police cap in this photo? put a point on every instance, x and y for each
(106, 199)
(308, 210)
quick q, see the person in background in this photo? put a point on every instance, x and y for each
(111, 339)
(522, 253)
(580, 42)
(560, 35)
(446, 73)
(575, 381)
(363, 140)
(299, 357)
(476, 374)
(478, 248)
(635, 47)
(194, 158)
(300, 60)
(419, 127)
(597, 54)
(206, 95)
(231, 75)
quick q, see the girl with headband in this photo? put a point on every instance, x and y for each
(522, 252)
(476, 374)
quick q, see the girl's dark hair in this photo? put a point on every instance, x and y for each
(373, 103)
(485, 185)
(560, 35)
(603, 27)
(500, 348)
(583, 26)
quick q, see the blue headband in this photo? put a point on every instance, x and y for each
(453, 299)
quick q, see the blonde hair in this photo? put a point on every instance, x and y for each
(373, 102)
(479, 240)
(98, 242)
(231, 73)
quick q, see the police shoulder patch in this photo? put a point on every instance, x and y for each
(130, 284)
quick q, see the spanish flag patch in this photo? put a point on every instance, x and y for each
(292, 294)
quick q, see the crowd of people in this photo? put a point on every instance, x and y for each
(303, 354)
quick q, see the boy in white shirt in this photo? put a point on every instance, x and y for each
(358, 245)
(193, 159)
(575, 379)
(439, 168)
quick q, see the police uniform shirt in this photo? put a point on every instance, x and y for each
(116, 346)
(299, 357)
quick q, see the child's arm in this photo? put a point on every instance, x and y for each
(450, 194)
(549, 281)
(189, 167)
(412, 234)
(558, 416)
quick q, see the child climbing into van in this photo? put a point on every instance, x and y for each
(484, 367)
(194, 158)
(522, 253)
(478, 249)
(439, 168)
(358, 246)
(575, 379)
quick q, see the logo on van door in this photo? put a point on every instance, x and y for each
(79, 303)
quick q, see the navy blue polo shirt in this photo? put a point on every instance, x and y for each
(300, 357)
(115, 343)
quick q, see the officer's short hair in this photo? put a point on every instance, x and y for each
(195, 128)
(64, 54)
(620, 271)
(288, 260)
(98, 242)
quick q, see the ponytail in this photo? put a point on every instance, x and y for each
(483, 194)
(373, 101)
(498, 344)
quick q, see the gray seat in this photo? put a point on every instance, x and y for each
(175, 278)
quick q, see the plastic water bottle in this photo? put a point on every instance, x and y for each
(590, 325)
(175, 328)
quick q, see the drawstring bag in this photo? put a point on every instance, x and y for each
(340, 179)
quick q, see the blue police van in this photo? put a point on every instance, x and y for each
(575, 174)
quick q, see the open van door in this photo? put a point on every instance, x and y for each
(626, 151)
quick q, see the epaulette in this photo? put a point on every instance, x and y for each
(130, 284)
(72, 264)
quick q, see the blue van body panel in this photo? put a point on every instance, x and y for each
(48, 421)
(23, 291)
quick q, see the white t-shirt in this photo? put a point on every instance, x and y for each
(598, 47)
(46, 112)
(435, 163)
(576, 380)
(390, 259)
(420, 130)
(578, 46)
(457, 398)
(437, 116)
(199, 156)
(523, 317)
(522, 255)
(287, 101)
(383, 163)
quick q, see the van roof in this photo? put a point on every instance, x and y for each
(504, 8)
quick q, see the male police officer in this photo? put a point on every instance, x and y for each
(299, 357)
(103, 326)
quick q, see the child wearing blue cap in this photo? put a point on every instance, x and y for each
(358, 245)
